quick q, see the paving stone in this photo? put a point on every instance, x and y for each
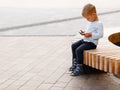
(34, 68)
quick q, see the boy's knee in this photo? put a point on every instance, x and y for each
(79, 51)
(73, 45)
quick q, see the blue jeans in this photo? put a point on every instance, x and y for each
(78, 49)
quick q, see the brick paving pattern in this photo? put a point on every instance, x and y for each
(42, 63)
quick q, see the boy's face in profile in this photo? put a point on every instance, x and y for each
(92, 17)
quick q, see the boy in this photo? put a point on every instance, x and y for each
(92, 34)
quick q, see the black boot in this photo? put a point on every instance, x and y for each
(78, 70)
(74, 65)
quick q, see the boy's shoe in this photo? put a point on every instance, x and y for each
(78, 70)
(74, 65)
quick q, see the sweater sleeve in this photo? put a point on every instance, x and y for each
(99, 32)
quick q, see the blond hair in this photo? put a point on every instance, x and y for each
(88, 9)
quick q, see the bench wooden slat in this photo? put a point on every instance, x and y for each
(102, 61)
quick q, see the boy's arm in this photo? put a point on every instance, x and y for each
(99, 33)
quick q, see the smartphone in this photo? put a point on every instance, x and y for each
(82, 32)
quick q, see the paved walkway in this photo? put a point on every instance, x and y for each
(41, 63)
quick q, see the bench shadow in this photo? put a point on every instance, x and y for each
(93, 71)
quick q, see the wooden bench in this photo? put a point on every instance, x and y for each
(107, 55)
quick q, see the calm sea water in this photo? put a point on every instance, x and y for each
(53, 21)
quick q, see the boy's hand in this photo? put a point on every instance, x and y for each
(88, 35)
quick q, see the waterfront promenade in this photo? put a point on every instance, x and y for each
(36, 55)
(42, 63)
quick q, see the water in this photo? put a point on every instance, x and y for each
(53, 21)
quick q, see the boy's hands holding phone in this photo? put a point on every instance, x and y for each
(85, 34)
(82, 32)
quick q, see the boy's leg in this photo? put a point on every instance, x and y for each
(79, 56)
(74, 46)
(74, 61)
(79, 51)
